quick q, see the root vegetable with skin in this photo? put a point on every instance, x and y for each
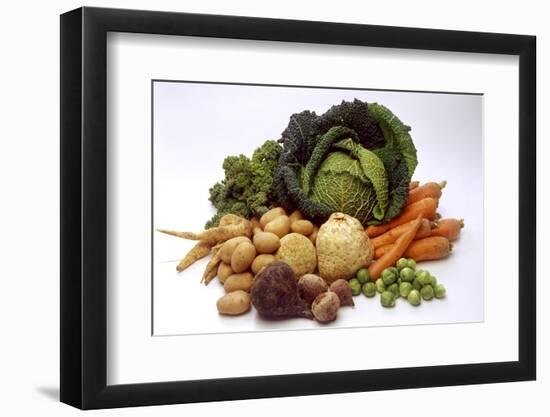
(428, 249)
(449, 228)
(216, 234)
(430, 189)
(199, 251)
(413, 185)
(392, 235)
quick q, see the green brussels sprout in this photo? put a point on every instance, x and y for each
(423, 278)
(407, 274)
(398, 281)
(405, 288)
(414, 297)
(394, 288)
(416, 284)
(355, 286)
(363, 275)
(380, 286)
(369, 289)
(402, 263)
(387, 299)
(411, 263)
(433, 281)
(427, 292)
(389, 276)
(440, 291)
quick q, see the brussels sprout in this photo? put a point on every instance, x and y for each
(387, 299)
(363, 275)
(394, 288)
(423, 277)
(405, 288)
(440, 291)
(427, 292)
(416, 284)
(402, 263)
(411, 263)
(369, 289)
(380, 287)
(433, 281)
(355, 286)
(414, 298)
(407, 274)
(389, 276)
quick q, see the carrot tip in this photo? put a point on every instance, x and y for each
(461, 221)
(442, 184)
(450, 247)
(434, 224)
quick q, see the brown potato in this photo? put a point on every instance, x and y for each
(295, 215)
(313, 235)
(266, 242)
(272, 214)
(226, 251)
(256, 226)
(234, 303)
(224, 270)
(260, 261)
(280, 226)
(242, 257)
(304, 227)
(242, 281)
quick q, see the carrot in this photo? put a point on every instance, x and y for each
(396, 251)
(391, 235)
(215, 234)
(427, 249)
(413, 185)
(430, 189)
(449, 228)
(199, 251)
(425, 207)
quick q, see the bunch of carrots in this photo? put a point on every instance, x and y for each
(418, 232)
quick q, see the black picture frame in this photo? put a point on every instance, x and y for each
(83, 207)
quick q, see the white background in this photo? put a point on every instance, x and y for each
(197, 125)
(29, 169)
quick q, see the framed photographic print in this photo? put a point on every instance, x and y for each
(284, 193)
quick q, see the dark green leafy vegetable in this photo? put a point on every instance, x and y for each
(356, 158)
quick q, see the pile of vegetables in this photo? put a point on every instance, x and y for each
(326, 213)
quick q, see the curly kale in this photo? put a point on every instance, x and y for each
(246, 188)
(357, 158)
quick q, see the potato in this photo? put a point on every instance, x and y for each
(313, 235)
(234, 303)
(242, 281)
(280, 226)
(256, 226)
(272, 214)
(224, 270)
(229, 246)
(242, 257)
(295, 215)
(260, 261)
(266, 242)
(304, 227)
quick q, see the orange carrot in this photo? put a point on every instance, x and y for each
(391, 235)
(413, 185)
(449, 228)
(397, 250)
(430, 189)
(427, 249)
(425, 207)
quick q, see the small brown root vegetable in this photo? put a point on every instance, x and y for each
(325, 307)
(313, 235)
(266, 242)
(216, 234)
(227, 249)
(425, 207)
(449, 228)
(199, 251)
(242, 281)
(234, 303)
(295, 215)
(211, 267)
(428, 249)
(342, 289)
(256, 226)
(392, 235)
(413, 185)
(224, 271)
(242, 257)
(397, 250)
(271, 215)
(260, 261)
(280, 226)
(310, 286)
(304, 227)
(274, 293)
(230, 218)
(430, 189)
